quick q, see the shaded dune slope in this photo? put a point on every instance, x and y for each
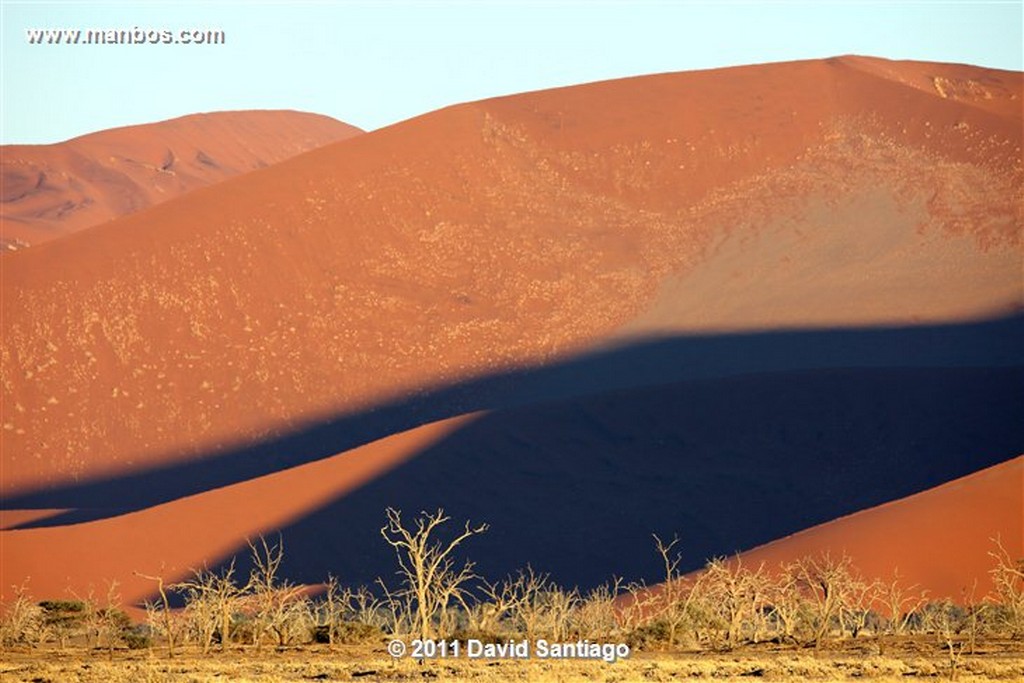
(54, 190)
(576, 487)
(732, 304)
(628, 366)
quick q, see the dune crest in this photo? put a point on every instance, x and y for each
(53, 190)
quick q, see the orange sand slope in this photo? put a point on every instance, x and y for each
(53, 190)
(190, 533)
(517, 230)
(938, 539)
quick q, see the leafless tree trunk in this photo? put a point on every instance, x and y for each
(501, 600)
(787, 604)
(275, 602)
(828, 583)
(102, 622)
(328, 613)
(426, 565)
(595, 613)
(212, 599)
(901, 602)
(161, 617)
(1008, 582)
(944, 618)
(22, 620)
(736, 594)
(856, 608)
(532, 608)
(674, 601)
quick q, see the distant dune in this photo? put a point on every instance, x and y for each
(53, 190)
(659, 296)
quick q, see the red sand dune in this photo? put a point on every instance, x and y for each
(841, 193)
(938, 539)
(53, 190)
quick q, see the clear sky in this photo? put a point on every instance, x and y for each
(376, 63)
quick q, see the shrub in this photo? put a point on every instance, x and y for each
(64, 618)
(137, 638)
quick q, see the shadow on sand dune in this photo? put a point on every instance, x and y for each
(784, 429)
(577, 487)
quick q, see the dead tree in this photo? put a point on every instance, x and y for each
(1008, 582)
(160, 616)
(501, 599)
(275, 602)
(855, 611)
(674, 601)
(901, 602)
(23, 621)
(737, 595)
(428, 571)
(211, 599)
(828, 583)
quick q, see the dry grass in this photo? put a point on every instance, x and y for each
(909, 661)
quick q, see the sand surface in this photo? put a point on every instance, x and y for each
(939, 539)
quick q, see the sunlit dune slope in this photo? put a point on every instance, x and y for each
(52, 190)
(521, 229)
(940, 539)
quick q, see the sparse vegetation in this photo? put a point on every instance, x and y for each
(766, 614)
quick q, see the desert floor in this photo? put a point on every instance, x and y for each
(910, 659)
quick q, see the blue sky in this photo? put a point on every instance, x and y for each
(375, 63)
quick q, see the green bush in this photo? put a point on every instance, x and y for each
(137, 638)
(649, 636)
